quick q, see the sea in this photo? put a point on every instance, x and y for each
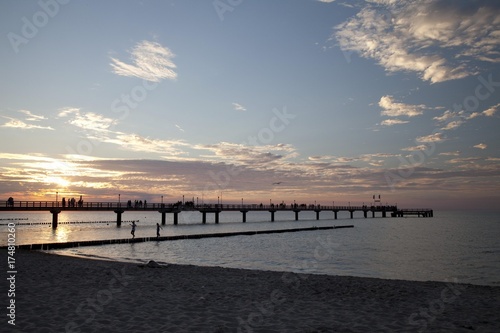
(457, 246)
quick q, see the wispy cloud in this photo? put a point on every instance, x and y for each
(16, 123)
(179, 128)
(31, 116)
(150, 61)
(454, 119)
(25, 123)
(392, 122)
(417, 36)
(238, 107)
(436, 137)
(88, 121)
(492, 110)
(392, 108)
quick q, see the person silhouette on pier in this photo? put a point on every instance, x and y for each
(133, 229)
(158, 230)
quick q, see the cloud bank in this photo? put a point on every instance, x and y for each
(437, 39)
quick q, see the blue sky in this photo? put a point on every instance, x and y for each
(334, 100)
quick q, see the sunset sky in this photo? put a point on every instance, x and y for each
(326, 101)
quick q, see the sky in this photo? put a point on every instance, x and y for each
(326, 102)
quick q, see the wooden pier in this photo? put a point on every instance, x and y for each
(55, 208)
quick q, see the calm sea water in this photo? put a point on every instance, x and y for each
(451, 246)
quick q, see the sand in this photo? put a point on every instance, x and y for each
(65, 294)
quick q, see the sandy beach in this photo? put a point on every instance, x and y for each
(65, 294)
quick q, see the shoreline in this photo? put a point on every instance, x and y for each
(71, 294)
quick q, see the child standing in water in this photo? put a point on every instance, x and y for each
(158, 230)
(133, 229)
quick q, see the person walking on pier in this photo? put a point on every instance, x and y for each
(133, 229)
(158, 230)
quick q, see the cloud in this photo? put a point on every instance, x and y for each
(31, 116)
(452, 125)
(150, 62)
(16, 123)
(416, 148)
(238, 107)
(88, 121)
(481, 146)
(138, 143)
(450, 153)
(391, 108)
(454, 120)
(436, 137)
(419, 36)
(179, 128)
(66, 111)
(391, 122)
(491, 111)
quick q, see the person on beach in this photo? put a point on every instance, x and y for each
(133, 229)
(158, 230)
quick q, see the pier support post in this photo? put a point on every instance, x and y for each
(335, 213)
(296, 214)
(119, 217)
(163, 218)
(352, 214)
(244, 212)
(317, 214)
(373, 214)
(55, 213)
(176, 218)
(384, 214)
(216, 217)
(365, 213)
(204, 217)
(272, 215)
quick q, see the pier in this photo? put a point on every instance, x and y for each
(55, 208)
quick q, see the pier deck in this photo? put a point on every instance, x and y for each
(56, 207)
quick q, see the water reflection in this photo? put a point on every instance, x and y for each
(61, 234)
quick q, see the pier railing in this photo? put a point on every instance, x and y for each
(99, 205)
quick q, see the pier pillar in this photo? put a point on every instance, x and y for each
(384, 214)
(373, 214)
(317, 214)
(272, 215)
(335, 213)
(352, 214)
(244, 212)
(119, 217)
(296, 214)
(204, 217)
(176, 218)
(365, 213)
(163, 218)
(55, 213)
(216, 217)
